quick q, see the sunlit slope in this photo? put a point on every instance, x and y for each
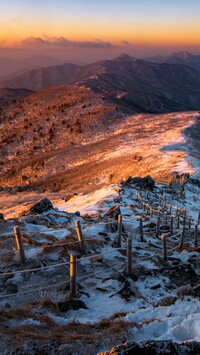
(71, 138)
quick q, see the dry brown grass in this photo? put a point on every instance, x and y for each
(110, 329)
(8, 257)
(148, 321)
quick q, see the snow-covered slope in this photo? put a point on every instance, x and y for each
(157, 300)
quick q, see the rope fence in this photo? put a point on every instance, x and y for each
(172, 222)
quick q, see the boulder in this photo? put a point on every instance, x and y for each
(148, 181)
(166, 301)
(43, 205)
(145, 182)
(65, 306)
(154, 347)
(134, 180)
(182, 274)
(9, 288)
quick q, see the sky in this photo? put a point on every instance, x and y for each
(84, 30)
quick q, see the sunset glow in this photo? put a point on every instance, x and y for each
(131, 26)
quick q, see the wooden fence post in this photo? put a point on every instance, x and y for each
(184, 216)
(178, 221)
(119, 235)
(198, 221)
(129, 255)
(72, 274)
(80, 235)
(176, 215)
(19, 243)
(189, 223)
(196, 235)
(141, 231)
(171, 225)
(158, 227)
(170, 209)
(164, 246)
(182, 238)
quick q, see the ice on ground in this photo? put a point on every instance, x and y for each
(178, 322)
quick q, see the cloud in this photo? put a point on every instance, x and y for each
(64, 42)
(126, 42)
(33, 41)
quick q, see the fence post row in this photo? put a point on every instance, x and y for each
(73, 260)
(19, 243)
(80, 235)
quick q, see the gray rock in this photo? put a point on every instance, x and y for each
(43, 205)
(146, 182)
(9, 288)
(155, 347)
(65, 306)
(166, 301)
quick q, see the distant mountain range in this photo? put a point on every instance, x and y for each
(182, 57)
(133, 84)
(12, 67)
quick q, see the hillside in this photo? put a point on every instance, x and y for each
(45, 134)
(43, 78)
(132, 84)
(80, 142)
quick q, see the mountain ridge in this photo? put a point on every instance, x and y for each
(181, 57)
(133, 84)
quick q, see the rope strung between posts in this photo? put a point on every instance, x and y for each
(55, 265)
(58, 284)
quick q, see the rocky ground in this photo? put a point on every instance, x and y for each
(158, 300)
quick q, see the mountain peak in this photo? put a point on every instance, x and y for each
(182, 54)
(124, 57)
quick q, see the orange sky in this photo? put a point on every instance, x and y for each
(128, 25)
